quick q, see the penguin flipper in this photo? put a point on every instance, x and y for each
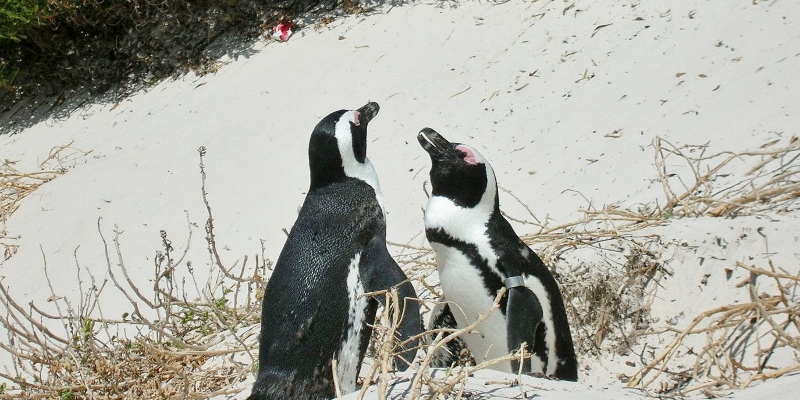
(381, 272)
(524, 323)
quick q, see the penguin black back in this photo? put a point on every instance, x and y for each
(314, 309)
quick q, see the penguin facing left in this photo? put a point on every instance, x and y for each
(314, 308)
(477, 253)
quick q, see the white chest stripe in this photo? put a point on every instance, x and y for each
(347, 359)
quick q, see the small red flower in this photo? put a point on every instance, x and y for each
(283, 30)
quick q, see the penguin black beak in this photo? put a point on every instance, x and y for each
(432, 141)
(367, 113)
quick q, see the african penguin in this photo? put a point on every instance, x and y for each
(477, 253)
(314, 307)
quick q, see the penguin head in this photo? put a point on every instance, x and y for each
(459, 172)
(338, 146)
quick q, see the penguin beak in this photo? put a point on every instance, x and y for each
(367, 113)
(433, 142)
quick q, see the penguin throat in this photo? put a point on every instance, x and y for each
(467, 186)
(358, 138)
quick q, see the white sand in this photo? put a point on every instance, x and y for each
(564, 98)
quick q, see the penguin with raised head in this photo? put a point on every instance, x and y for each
(314, 308)
(477, 253)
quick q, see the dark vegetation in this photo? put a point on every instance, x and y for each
(55, 54)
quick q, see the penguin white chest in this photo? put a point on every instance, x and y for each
(469, 298)
(461, 280)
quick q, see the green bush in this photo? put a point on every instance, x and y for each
(17, 17)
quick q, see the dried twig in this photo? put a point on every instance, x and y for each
(15, 185)
(64, 352)
(772, 183)
(717, 361)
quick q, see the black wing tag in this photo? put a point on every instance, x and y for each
(524, 318)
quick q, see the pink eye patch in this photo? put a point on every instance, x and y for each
(355, 118)
(470, 155)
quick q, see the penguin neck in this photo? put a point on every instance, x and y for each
(366, 173)
(324, 174)
(324, 161)
(445, 213)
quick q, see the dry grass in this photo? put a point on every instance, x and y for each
(199, 340)
(741, 339)
(157, 351)
(176, 343)
(735, 353)
(607, 268)
(712, 188)
(15, 185)
(422, 382)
